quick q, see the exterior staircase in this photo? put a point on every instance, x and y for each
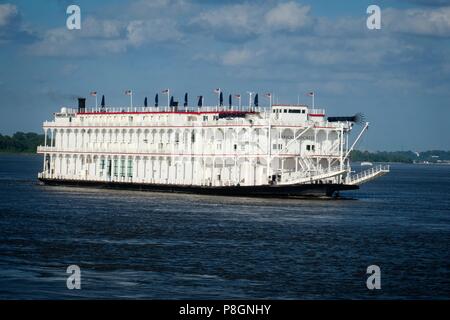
(305, 177)
(367, 175)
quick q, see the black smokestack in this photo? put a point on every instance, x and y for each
(81, 105)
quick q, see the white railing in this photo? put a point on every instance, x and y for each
(316, 111)
(368, 174)
(165, 108)
(153, 121)
(312, 175)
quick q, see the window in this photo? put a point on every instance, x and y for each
(122, 167)
(278, 146)
(308, 147)
(130, 168)
(205, 118)
(115, 167)
(102, 166)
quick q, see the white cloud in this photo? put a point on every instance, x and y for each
(288, 16)
(419, 21)
(247, 21)
(106, 29)
(8, 13)
(162, 30)
(98, 37)
(238, 57)
(239, 21)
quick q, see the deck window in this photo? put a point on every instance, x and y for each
(122, 167)
(130, 168)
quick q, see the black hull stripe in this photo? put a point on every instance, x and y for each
(276, 191)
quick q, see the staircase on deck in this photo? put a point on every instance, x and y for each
(367, 175)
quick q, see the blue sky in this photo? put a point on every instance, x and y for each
(399, 76)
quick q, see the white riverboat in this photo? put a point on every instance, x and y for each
(282, 150)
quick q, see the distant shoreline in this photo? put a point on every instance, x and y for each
(18, 153)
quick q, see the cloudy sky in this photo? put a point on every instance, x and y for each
(399, 76)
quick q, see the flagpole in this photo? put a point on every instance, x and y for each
(218, 98)
(168, 99)
(131, 100)
(96, 101)
(249, 100)
(269, 140)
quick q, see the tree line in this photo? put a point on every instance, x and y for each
(21, 142)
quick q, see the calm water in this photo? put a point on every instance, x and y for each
(144, 245)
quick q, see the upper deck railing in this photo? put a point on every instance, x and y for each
(166, 109)
(316, 111)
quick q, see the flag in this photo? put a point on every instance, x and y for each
(237, 96)
(311, 94)
(165, 91)
(128, 92)
(221, 99)
(103, 101)
(145, 102)
(200, 101)
(156, 100)
(256, 103)
(217, 90)
(268, 95)
(93, 93)
(186, 99)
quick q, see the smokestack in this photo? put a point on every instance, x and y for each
(81, 105)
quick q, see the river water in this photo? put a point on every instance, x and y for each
(131, 244)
